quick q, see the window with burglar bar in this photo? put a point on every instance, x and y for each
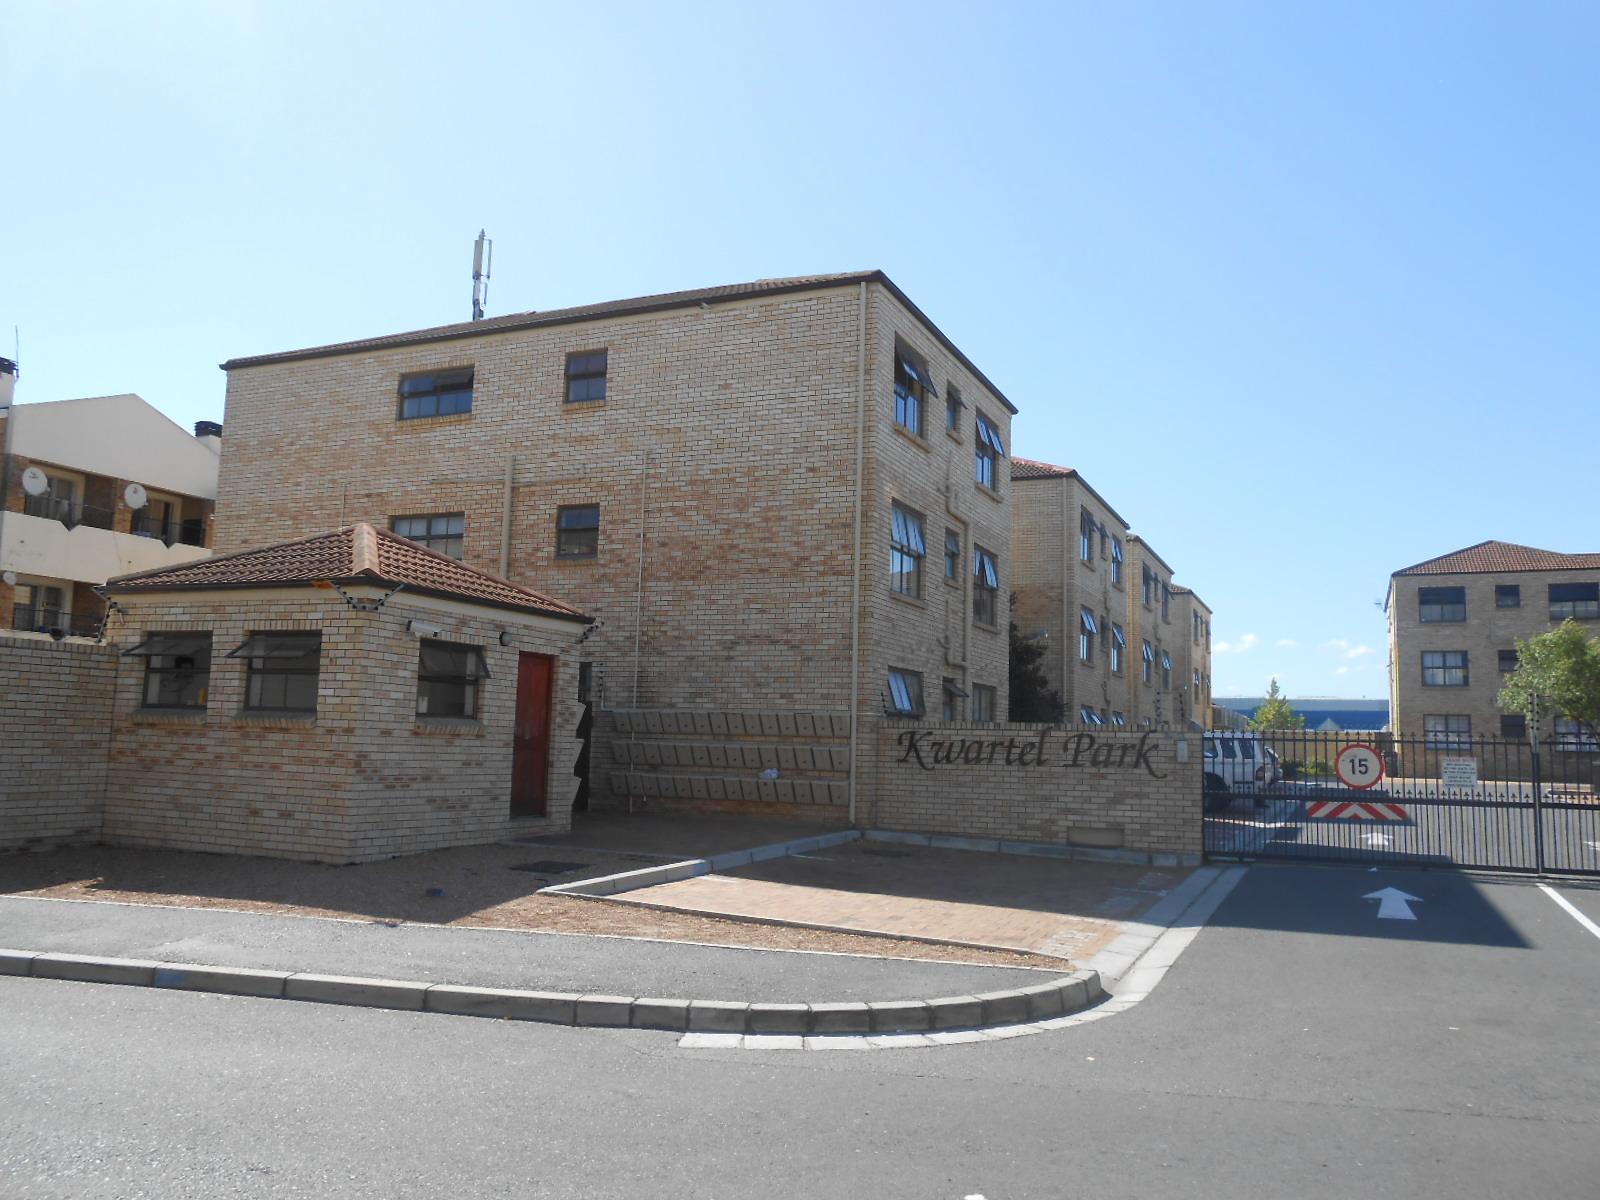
(1116, 561)
(1444, 668)
(436, 393)
(282, 670)
(586, 376)
(443, 533)
(1087, 632)
(578, 531)
(985, 587)
(989, 450)
(982, 702)
(913, 385)
(1119, 649)
(1441, 604)
(905, 692)
(448, 676)
(1447, 729)
(952, 555)
(1577, 601)
(177, 669)
(1086, 536)
(906, 551)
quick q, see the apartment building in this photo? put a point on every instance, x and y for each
(89, 489)
(1454, 622)
(1117, 632)
(783, 495)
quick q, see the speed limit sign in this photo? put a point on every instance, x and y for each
(1359, 766)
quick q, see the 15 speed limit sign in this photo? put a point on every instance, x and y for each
(1359, 766)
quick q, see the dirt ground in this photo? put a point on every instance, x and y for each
(475, 886)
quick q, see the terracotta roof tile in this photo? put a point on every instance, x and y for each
(1502, 556)
(358, 553)
(1027, 468)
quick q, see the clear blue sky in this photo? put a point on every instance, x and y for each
(1309, 292)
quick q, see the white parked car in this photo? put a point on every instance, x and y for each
(1238, 763)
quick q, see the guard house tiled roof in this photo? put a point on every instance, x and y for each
(623, 308)
(1028, 468)
(1502, 556)
(355, 554)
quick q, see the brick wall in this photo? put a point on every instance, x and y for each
(55, 718)
(363, 777)
(1099, 789)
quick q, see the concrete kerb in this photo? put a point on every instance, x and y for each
(1068, 994)
(606, 886)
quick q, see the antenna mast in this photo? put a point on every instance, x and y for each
(482, 259)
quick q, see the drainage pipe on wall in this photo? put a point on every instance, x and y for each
(638, 594)
(855, 575)
(505, 519)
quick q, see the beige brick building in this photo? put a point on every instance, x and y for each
(1118, 633)
(783, 496)
(1453, 626)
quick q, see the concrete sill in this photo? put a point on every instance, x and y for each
(263, 718)
(990, 492)
(581, 406)
(916, 439)
(451, 726)
(169, 716)
(913, 601)
(432, 422)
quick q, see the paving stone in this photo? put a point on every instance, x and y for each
(773, 1041)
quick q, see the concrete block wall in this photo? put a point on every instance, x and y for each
(1103, 790)
(55, 721)
(714, 761)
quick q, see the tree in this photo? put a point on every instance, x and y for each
(1275, 713)
(1562, 670)
(1032, 698)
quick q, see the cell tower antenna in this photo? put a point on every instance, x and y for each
(482, 260)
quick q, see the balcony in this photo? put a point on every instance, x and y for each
(89, 553)
(169, 533)
(69, 512)
(31, 618)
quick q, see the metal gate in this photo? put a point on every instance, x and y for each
(1378, 798)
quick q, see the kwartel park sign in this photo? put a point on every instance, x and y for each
(932, 748)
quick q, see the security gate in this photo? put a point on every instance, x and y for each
(1376, 798)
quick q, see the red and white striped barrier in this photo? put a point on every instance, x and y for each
(1356, 810)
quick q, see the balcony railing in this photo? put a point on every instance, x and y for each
(69, 512)
(34, 618)
(189, 533)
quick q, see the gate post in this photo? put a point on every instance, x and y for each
(1538, 810)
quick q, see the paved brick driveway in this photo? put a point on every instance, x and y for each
(1053, 906)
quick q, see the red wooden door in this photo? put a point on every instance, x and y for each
(530, 754)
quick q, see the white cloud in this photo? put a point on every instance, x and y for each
(1359, 651)
(1287, 643)
(1243, 646)
(1341, 670)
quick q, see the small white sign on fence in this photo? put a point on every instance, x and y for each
(1459, 772)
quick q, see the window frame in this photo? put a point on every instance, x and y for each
(1119, 650)
(913, 385)
(1148, 652)
(579, 373)
(1508, 591)
(911, 687)
(1086, 527)
(952, 555)
(258, 674)
(470, 681)
(1569, 608)
(953, 404)
(1513, 726)
(430, 539)
(1501, 659)
(989, 449)
(984, 700)
(564, 532)
(1445, 669)
(985, 588)
(1088, 632)
(153, 674)
(1444, 611)
(1116, 561)
(443, 381)
(908, 546)
(1446, 736)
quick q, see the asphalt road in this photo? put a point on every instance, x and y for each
(1301, 1046)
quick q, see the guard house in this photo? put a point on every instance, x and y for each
(339, 698)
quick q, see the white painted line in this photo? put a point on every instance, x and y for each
(1573, 912)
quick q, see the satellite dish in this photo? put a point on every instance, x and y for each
(134, 495)
(35, 482)
(9, 578)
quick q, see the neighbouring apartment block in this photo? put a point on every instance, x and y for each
(783, 497)
(1123, 645)
(90, 489)
(1454, 622)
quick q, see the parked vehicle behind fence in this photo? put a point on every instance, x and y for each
(1237, 762)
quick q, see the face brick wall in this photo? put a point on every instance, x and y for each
(55, 721)
(1096, 789)
(362, 778)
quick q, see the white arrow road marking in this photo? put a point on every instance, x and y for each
(1571, 911)
(1393, 904)
(1377, 839)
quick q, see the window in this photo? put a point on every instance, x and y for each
(912, 386)
(1119, 649)
(1146, 586)
(1507, 595)
(578, 531)
(1118, 719)
(1116, 561)
(1580, 601)
(1197, 686)
(436, 394)
(586, 376)
(953, 405)
(283, 670)
(1149, 662)
(952, 556)
(1437, 604)
(1448, 730)
(1166, 671)
(905, 692)
(1166, 603)
(1444, 668)
(58, 502)
(443, 533)
(177, 669)
(906, 550)
(1508, 661)
(1513, 725)
(953, 695)
(989, 449)
(985, 587)
(447, 679)
(1085, 536)
(1087, 632)
(1088, 716)
(982, 702)
(1574, 735)
(39, 607)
